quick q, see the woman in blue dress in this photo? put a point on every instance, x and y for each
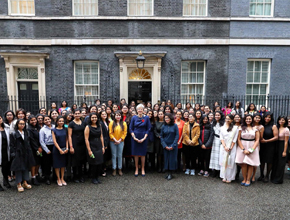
(60, 149)
(169, 137)
(139, 128)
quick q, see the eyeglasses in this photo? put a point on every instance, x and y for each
(21, 124)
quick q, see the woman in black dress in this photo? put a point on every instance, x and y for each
(4, 153)
(267, 147)
(105, 131)
(33, 131)
(158, 147)
(126, 116)
(280, 157)
(77, 145)
(95, 146)
(150, 146)
(60, 149)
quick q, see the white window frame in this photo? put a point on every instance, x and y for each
(267, 16)
(82, 15)
(128, 11)
(75, 85)
(206, 11)
(13, 14)
(196, 83)
(253, 83)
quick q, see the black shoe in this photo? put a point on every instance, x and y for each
(266, 180)
(6, 183)
(163, 170)
(166, 177)
(261, 178)
(82, 180)
(47, 182)
(99, 181)
(35, 182)
(169, 177)
(94, 181)
(1, 189)
(76, 181)
(214, 174)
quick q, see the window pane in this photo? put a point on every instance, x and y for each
(258, 65)
(85, 7)
(184, 78)
(200, 66)
(263, 89)
(191, 89)
(257, 77)
(193, 66)
(184, 89)
(199, 89)
(192, 77)
(265, 65)
(140, 7)
(200, 77)
(22, 7)
(249, 89)
(264, 77)
(255, 89)
(194, 7)
(250, 76)
(250, 65)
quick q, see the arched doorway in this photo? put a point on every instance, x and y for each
(140, 86)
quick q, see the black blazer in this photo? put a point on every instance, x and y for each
(105, 132)
(208, 137)
(34, 138)
(20, 150)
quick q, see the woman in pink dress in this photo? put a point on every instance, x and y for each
(247, 156)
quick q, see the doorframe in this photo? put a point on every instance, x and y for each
(153, 60)
(14, 60)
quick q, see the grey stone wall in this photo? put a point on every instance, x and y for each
(259, 29)
(60, 69)
(53, 8)
(219, 8)
(279, 75)
(282, 8)
(113, 29)
(168, 8)
(3, 7)
(113, 7)
(240, 8)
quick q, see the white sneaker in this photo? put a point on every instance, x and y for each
(187, 171)
(192, 172)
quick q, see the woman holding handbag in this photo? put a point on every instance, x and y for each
(228, 137)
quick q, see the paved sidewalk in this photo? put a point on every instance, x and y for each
(150, 197)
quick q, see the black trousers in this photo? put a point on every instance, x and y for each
(95, 170)
(78, 172)
(179, 158)
(46, 162)
(279, 164)
(190, 153)
(6, 169)
(205, 159)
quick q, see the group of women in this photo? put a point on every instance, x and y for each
(218, 142)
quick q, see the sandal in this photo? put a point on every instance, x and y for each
(20, 188)
(224, 180)
(26, 186)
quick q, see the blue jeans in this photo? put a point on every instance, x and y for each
(117, 151)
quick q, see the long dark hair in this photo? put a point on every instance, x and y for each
(265, 115)
(279, 118)
(17, 122)
(248, 108)
(232, 123)
(255, 115)
(206, 125)
(244, 124)
(90, 120)
(23, 111)
(118, 112)
(152, 118)
(107, 120)
(57, 119)
(222, 119)
(5, 115)
(2, 124)
(168, 106)
(170, 116)
(128, 115)
(30, 125)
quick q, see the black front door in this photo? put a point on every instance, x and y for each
(140, 91)
(28, 96)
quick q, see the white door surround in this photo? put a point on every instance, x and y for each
(29, 59)
(153, 61)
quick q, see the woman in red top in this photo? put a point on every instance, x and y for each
(180, 123)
